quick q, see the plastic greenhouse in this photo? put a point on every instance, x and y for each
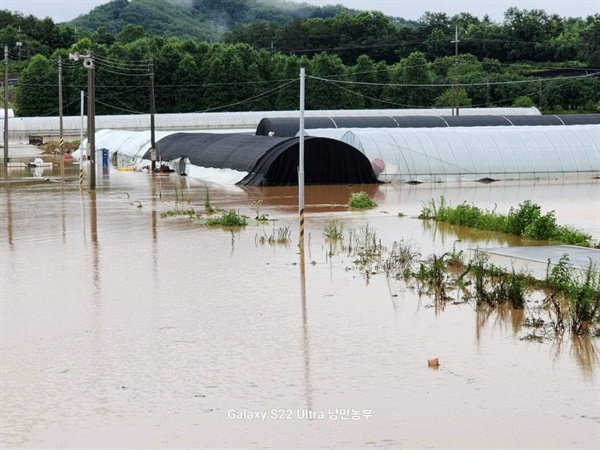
(445, 154)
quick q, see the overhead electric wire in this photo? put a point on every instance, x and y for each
(251, 99)
(491, 83)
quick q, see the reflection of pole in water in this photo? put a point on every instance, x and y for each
(63, 214)
(9, 216)
(154, 228)
(305, 340)
(94, 236)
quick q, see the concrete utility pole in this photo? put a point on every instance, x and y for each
(301, 162)
(456, 95)
(60, 116)
(89, 63)
(6, 106)
(152, 113)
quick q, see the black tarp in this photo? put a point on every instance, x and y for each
(289, 126)
(270, 161)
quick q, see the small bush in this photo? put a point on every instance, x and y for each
(229, 218)
(361, 200)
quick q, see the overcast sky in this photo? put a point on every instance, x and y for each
(63, 10)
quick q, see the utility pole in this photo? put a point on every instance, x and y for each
(456, 96)
(60, 116)
(152, 113)
(89, 63)
(6, 106)
(301, 162)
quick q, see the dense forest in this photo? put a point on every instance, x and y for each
(250, 56)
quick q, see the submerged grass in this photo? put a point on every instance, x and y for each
(334, 230)
(570, 297)
(179, 213)
(279, 235)
(526, 221)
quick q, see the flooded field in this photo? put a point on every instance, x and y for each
(122, 329)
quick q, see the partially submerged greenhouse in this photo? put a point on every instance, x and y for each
(244, 159)
(366, 155)
(491, 153)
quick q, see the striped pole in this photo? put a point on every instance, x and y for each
(81, 152)
(301, 162)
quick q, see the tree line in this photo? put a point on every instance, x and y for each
(353, 61)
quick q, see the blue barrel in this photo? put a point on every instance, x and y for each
(104, 157)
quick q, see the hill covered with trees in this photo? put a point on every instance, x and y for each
(196, 19)
(353, 59)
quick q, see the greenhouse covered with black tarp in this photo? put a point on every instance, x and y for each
(269, 161)
(289, 126)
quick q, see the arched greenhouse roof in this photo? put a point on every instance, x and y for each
(289, 126)
(435, 154)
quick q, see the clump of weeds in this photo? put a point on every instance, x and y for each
(207, 206)
(574, 298)
(334, 230)
(256, 205)
(361, 200)
(231, 218)
(279, 235)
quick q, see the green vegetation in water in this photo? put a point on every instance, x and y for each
(571, 298)
(334, 230)
(182, 196)
(256, 205)
(207, 206)
(366, 248)
(230, 218)
(180, 213)
(574, 298)
(361, 200)
(526, 221)
(279, 235)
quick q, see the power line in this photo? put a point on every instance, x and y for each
(536, 80)
(248, 100)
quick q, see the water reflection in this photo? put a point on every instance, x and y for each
(95, 245)
(582, 349)
(443, 232)
(305, 337)
(317, 198)
(502, 316)
(9, 215)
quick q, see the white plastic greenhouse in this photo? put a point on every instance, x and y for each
(451, 154)
(20, 128)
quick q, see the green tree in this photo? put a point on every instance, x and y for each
(447, 99)
(327, 95)
(35, 94)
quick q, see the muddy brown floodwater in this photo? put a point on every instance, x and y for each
(121, 329)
